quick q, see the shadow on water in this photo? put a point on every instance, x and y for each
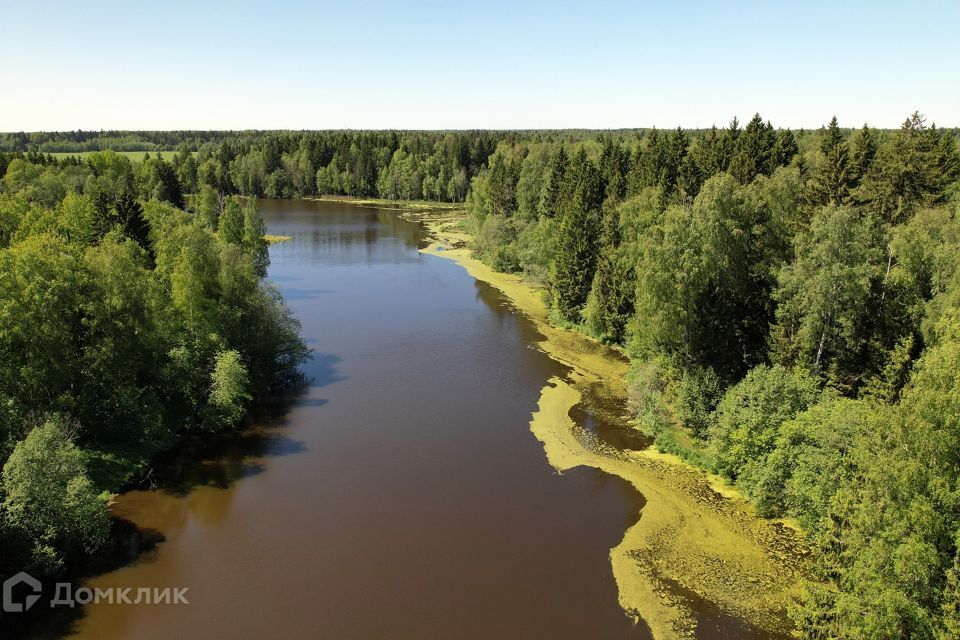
(605, 424)
(207, 460)
(603, 417)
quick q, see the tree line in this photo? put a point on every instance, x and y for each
(789, 301)
(409, 165)
(126, 322)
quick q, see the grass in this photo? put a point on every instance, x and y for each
(274, 239)
(678, 441)
(133, 155)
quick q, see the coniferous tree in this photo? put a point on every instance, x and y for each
(863, 151)
(575, 256)
(689, 179)
(726, 145)
(556, 177)
(753, 151)
(832, 181)
(611, 296)
(785, 148)
(130, 214)
(169, 184)
(614, 167)
(914, 170)
(705, 152)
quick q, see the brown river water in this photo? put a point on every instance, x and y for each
(402, 494)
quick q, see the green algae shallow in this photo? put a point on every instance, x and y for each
(695, 534)
(383, 203)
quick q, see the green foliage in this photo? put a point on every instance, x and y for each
(230, 225)
(697, 395)
(754, 151)
(647, 381)
(833, 180)
(750, 414)
(889, 536)
(228, 391)
(915, 170)
(254, 243)
(135, 322)
(811, 460)
(494, 243)
(49, 499)
(827, 296)
(747, 269)
(575, 258)
(702, 286)
(610, 304)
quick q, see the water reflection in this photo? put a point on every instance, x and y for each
(400, 493)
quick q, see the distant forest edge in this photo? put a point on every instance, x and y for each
(405, 165)
(789, 300)
(790, 303)
(127, 324)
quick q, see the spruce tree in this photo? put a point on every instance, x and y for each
(726, 145)
(832, 182)
(785, 148)
(753, 151)
(863, 151)
(611, 296)
(614, 166)
(556, 176)
(705, 153)
(575, 257)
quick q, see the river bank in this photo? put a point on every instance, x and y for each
(696, 538)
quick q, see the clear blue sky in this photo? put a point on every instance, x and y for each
(485, 64)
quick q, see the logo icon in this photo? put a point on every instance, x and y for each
(9, 606)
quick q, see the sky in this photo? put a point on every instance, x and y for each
(464, 65)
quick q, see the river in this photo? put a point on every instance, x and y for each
(402, 495)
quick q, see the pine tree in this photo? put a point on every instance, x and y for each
(169, 187)
(689, 179)
(832, 136)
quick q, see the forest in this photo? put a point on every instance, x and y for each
(127, 322)
(789, 300)
(409, 165)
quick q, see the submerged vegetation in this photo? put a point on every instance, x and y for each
(788, 300)
(789, 303)
(126, 322)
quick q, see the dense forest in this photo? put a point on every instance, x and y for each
(790, 306)
(790, 301)
(126, 323)
(408, 165)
